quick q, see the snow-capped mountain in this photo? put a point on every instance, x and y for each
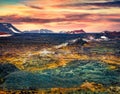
(7, 29)
(39, 31)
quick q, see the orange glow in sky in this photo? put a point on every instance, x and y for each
(62, 15)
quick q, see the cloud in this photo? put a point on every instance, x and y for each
(20, 19)
(1, 18)
(108, 4)
(34, 7)
(67, 18)
(114, 20)
(114, 3)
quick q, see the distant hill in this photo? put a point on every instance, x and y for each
(39, 31)
(8, 28)
(112, 34)
(74, 32)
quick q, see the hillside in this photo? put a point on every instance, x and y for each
(8, 28)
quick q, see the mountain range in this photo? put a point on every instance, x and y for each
(8, 29)
(39, 31)
(61, 32)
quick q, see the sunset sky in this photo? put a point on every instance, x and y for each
(62, 15)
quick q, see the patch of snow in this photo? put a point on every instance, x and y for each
(6, 35)
(13, 30)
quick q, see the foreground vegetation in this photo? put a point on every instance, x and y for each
(88, 68)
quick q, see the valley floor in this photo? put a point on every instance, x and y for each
(48, 65)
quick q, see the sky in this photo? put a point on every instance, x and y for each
(62, 15)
